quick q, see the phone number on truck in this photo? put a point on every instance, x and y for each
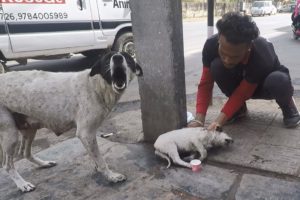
(33, 16)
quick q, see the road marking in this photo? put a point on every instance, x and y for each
(191, 52)
(273, 34)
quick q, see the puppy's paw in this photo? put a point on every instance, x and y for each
(202, 158)
(115, 177)
(26, 187)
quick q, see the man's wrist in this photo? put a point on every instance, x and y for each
(221, 119)
(200, 117)
(198, 122)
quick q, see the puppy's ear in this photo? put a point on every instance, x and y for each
(219, 129)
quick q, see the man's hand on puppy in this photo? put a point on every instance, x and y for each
(213, 126)
(218, 123)
(200, 119)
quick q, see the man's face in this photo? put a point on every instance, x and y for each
(232, 54)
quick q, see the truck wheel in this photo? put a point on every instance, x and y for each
(94, 53)
(125, 43)
(3, 67)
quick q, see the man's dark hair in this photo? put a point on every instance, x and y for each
(237, 28)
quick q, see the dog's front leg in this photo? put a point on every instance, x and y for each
(201, 149)
(89, 141)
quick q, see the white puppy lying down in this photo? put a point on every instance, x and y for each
(168, 145)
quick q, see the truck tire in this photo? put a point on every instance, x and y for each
(94, 53)
(3, 67)
(125, 43)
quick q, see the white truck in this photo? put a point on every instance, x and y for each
(42, 29)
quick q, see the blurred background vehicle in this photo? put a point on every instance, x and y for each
(274, 10)
(286, 8)
(261, 8)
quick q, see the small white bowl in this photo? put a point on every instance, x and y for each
(196, 165)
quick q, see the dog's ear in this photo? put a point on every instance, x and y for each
(138, 70)
(132, 64)
(96, 68)
(102, 67)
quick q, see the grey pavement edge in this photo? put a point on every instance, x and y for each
(263, 162)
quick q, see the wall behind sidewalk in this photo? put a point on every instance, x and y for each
(198, 8)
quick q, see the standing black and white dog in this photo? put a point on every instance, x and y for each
(30, 100)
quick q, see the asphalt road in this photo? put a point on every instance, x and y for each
(195, 32)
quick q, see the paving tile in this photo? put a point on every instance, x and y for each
(282, 137)
(126, 126)
(74, 177)
(255, 187)
(268, 148)
(260, 142)
(280, 159)
(210, 183)
(245, 137)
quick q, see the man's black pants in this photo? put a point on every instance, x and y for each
(277, 85)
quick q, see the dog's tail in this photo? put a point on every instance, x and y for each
(164, 156)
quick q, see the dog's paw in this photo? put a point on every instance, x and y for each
(26, 187)
(116, 177)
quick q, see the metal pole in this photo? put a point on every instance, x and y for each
(210, 18)
(210, 24)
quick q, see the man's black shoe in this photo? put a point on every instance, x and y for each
(292, 121)
(291, 117)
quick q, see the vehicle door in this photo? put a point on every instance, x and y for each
(113, 13)
(4, 40)
(48, 24)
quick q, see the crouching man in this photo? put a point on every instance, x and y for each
(244, 65)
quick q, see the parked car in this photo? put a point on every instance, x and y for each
(274, 10)
(261, 8)
(286, 8)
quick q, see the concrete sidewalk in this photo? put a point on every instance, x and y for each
(263, 163)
